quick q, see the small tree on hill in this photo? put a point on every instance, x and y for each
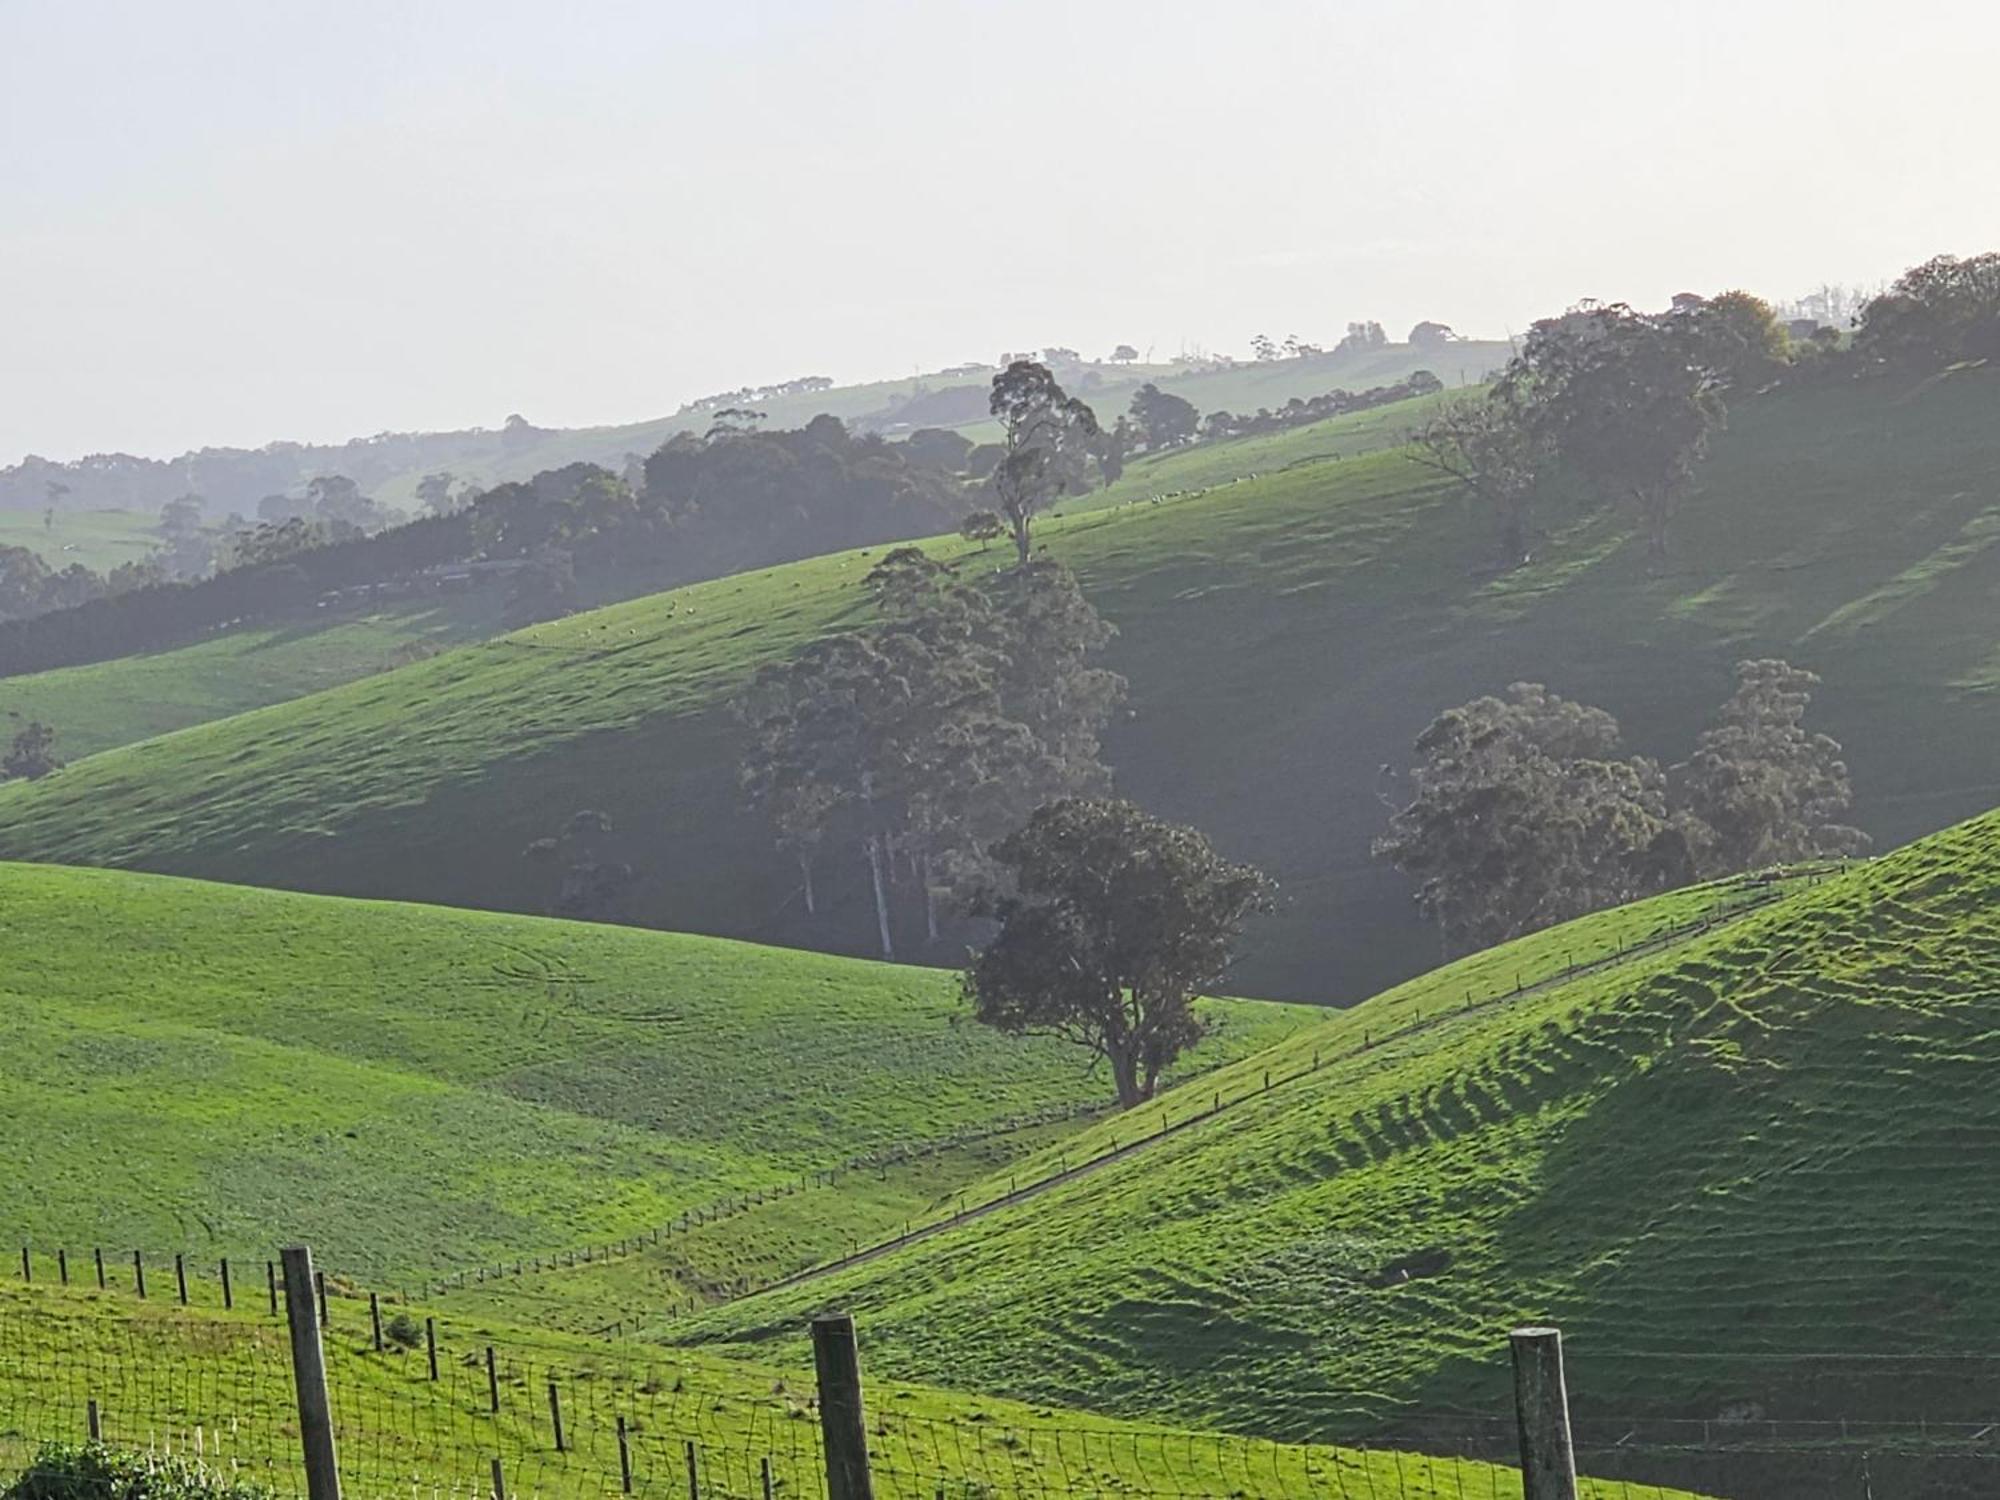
(1485, 445)
(1164, 418)
(32, 755)
(1114, 922)
(1050, 434)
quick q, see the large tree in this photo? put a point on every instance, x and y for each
(1523, 813)
(1049, 436)
(1486, 446)
(933, 732)
(32, 755)
(1760, 788)
(1625, 398)
(1164, 418)
(1112, 923)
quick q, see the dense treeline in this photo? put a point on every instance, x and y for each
(699, 507)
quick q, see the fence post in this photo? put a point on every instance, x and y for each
(499, 1482)
(139, 1272)
(1541, 1405)
(62, 1265)
(27, 1271)
(228, 1291)
(770, 1489)
(309, 1375)
(95, 1420)
(319, 1286)
(694, 1473)
(271, 1276)
(431, 1344)
(843, 1426)
(375, 1318)
(624, 1459)
(181, 1277)
(99, 1253)
(555, 1417)
(492, 1382)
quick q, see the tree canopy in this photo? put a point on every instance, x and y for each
(1049, 436)
(1112, 922)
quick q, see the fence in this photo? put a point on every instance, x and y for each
(410, 1411)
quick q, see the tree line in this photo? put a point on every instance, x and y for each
(1523, 809)
(1621, 405)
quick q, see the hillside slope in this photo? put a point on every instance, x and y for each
(1285, 638)
(201, 1068)
(106, 704)
(1748, 1172)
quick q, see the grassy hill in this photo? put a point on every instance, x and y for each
(106, 704)
(99, 539)
(1285, 637)
(1744, 1171)
(198, 1068)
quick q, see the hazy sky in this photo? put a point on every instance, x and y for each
(232, 222)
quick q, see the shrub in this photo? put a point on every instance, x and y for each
(404, 1331)
(91, 1471)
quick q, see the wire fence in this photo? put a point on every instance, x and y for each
(434, 1420)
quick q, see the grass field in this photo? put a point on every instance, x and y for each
(198, 1068)
(107, 704)
(1743, 1172)
(99, 539)
(219, 1385)
(1285, 638)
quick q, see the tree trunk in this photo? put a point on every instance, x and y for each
(930, 898)
(1125, 1074)
(874, 843)
(1020, 525)
(806, 875)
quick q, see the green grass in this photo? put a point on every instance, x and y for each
(1285, 638)
(219, 1385)
(198, 1068)
(107, 704)
(99, 539)
(1742, 1171)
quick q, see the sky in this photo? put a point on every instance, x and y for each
(227, 223)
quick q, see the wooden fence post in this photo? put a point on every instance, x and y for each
(319, 1286)
(99, 1253)
(228, 1291)
(95, 1420)
(271, 1276)
(181, 1277)
(375, 1318)
(139, 1272)
(843, 1425)
(431, 1344)
(492, 1382)
(764, 1469)
(62, 1266)
(624, 1459)
(309, 1376)
(694, 1473)
(555, 1416)
(27, 1270)
(1541, 1405)
(499, 1482)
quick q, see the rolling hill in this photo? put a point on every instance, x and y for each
(1745, 1171)
(105, 704)
(1850, 527)
(198, 1068)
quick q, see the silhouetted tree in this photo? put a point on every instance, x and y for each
(1049, 436)
(32, 754)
